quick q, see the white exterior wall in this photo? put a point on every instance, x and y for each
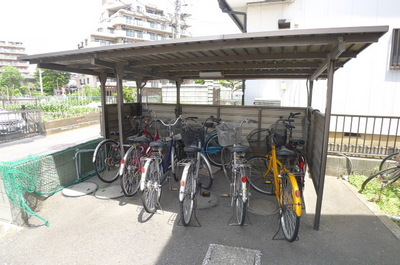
(365, 85)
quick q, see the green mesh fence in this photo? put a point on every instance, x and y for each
(45, 175)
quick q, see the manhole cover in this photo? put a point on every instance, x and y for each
(80, 189)
(110, 192)
(262, 207)
(225, 255)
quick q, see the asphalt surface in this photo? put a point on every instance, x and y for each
(89, 230)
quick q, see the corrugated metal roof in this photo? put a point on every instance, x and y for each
(285, 54)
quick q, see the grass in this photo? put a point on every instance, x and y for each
(387, 198)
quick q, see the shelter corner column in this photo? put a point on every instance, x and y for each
(119, 73)
(103, 118)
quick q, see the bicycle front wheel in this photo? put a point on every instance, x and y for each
(212, 149)
(388, 161)
(205, 176)
(132, 171)
(152, 189)
(226, 160)
(261, 177)
(386, 176)
(187, 194)
(290, 206)
(241, 190)
(108, 160)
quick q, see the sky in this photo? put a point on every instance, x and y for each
(58, 25)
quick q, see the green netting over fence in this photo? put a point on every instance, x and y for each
(45, 175)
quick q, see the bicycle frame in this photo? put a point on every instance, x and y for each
(278, 182)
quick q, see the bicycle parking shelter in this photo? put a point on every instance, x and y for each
(308, 54)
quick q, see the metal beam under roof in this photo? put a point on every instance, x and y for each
(289, 54)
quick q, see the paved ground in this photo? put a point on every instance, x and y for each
(88, 230)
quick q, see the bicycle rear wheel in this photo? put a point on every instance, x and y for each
(212, 149)
(241, 197)
(152, 191)
(261, 177)
(226, 160)
(186, 204)
(205, 176)
(107, 160)
(290, 206)
(130, 177)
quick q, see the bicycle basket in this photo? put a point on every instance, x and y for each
(229, 133)
(192, 133)
(279, 133)
(257, 139)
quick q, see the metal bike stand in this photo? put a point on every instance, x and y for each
(279, 229)
(237, 224)
(78, 160)
(194, 212)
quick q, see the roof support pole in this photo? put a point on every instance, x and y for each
(310, 87)
(119, 73)
(140, 85)
(103, 80)
(328, 109)
(178, 110)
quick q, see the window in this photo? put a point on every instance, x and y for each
(153, 25)
(138, 22)
(163, 27)
(395, 56)
(130, 33)
(153, 36)
(128, 20)
(139, 34)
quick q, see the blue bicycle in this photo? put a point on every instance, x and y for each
(156, 167)
(212, 149)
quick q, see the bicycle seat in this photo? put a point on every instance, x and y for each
(286, 152)
(134, 139)
(239, 149)
(297, 142)
(191, 149)
(157, 144)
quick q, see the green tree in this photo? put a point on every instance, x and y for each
(234, 85)
(130, 94)
(10, 81)
(52, 79)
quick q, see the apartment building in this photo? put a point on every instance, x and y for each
(9, 52)
(131, 21)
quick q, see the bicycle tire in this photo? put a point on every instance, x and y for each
(107, 160)
(213, 149)
(186, 205)
(130, 177)
(261, 177)
(205, 176)
(290, 220)
(226, 160)
(240, 202)
(152, 191)
(388, 161)
(388, 175)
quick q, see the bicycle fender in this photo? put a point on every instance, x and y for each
(96, 150)
(122, 166)
(183, 181)
(296, 196)
(144, 172)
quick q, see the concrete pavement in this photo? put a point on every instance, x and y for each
(88, 230)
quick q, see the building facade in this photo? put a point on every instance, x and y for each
(133, 21)
(9, 52)
(368, 85)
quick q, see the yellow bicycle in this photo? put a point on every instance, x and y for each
(275, 176)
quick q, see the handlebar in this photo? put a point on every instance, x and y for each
(169, 124)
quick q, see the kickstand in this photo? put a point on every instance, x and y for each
(194, 215)
(279, 229)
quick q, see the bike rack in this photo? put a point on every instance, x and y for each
(78, 161)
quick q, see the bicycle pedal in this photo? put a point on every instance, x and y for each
(205, 194)
(174, 188)
(226, 195)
